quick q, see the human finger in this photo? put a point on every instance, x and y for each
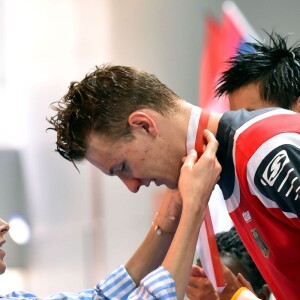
(244, 282)
(201, 288)
(197, 271)
(212, 143)
(190, 159)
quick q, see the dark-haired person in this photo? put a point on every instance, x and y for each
(160, 268)
(267, 76)
(150, 129)
(236, 258)
(263, 74)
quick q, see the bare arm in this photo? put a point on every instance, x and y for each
(143, 261)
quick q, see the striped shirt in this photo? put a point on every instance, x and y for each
(118, 286)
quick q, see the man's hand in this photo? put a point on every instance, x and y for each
(199, 177)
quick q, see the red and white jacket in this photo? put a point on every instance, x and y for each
(260, 180)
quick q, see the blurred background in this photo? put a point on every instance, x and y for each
(72, 228)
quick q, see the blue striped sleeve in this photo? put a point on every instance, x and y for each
(118, 285)
(159, 284)
(22, 295)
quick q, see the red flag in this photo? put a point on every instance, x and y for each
(208, 66)
(222, 41)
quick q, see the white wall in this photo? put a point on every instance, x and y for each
(81, 223)
(86, 224)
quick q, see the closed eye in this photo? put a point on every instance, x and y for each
(121, 168)
(124, 167)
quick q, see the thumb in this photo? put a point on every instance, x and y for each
(197, 271)
(190, 159)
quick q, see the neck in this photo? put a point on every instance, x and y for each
(178, 125)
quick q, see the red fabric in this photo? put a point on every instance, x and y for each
(221, 42)
(217, 275)
(209, 63)
(281, 268)
(203, 121)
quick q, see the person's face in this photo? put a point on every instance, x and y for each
(144, 158)
(4, 227)
(247, 97)
(234, 265)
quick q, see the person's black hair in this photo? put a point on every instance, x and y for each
(229, 242)
(273, 65)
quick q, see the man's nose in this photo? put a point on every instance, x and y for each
(132, 184)
(4, 227)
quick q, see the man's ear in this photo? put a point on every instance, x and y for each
(144, 121)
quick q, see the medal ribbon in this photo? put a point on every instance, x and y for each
(209, 254)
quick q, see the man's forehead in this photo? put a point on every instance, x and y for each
(99, 152)
(95, 139)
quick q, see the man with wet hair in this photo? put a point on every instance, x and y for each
(128, 124)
